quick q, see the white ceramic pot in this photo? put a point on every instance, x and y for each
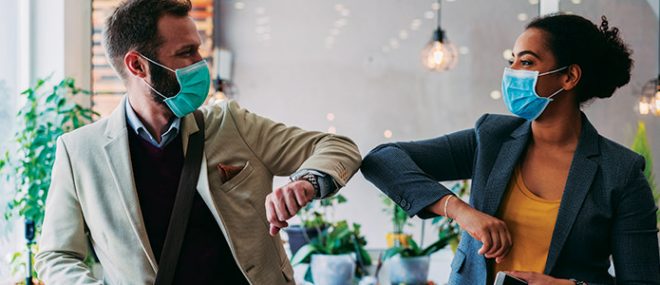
(409, 270)
(333, 269)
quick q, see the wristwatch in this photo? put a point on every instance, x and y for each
(579, 282)
(324, 184)
(310, 177)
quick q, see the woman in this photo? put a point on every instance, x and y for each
(551, 199)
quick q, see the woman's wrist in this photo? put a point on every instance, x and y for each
(438, 208)
(448, 206)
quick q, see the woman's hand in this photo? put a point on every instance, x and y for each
(534, 278)
(490, 231)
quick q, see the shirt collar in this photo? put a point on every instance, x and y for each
(138, 127)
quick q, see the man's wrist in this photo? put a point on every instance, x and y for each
(310, 176)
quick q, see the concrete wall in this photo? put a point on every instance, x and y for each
(285, 70)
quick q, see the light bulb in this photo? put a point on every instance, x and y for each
(439, 54)
(657, 103)
(644, 107)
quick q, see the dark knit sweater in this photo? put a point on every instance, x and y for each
(205, 256)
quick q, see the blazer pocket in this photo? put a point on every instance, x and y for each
(237, 179)
(458, 261)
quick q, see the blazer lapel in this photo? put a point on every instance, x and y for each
(580, 177)
(506, 161)
(118, 156)
(188, 127)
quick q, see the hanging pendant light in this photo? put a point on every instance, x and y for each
(439, 54)
(649, 101)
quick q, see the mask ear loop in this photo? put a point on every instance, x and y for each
(553, 94)
(550, 72)
(154, 89)
(156, 63)
(553, 71)
(149, 85)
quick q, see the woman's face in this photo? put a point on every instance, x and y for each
(531, 52)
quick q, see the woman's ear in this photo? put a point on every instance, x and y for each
(572, 78)
(135, 64)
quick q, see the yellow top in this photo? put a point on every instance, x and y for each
(531, 221)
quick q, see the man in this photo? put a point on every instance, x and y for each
(114, 182)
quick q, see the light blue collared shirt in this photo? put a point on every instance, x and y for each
(136, 125)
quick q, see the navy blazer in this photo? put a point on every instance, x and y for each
(607, 207)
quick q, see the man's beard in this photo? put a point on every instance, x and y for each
(164, 81)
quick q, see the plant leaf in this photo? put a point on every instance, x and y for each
(304, 254)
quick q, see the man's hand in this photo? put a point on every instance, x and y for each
(285, 202)
(534, 278)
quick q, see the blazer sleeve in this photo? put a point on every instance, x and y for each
(63, 244)
(410, 172)
(284, 150)
(634, 234)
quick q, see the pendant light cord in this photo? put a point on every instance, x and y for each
(439, 13)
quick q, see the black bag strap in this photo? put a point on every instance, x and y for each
(176, 229)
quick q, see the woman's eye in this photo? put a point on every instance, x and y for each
(510, 61)
(526, 62)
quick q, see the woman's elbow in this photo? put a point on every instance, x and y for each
(377, 158)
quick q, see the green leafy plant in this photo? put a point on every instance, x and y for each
(414, 250)
(641, 146)
(315, 217)
(318, 213)
(47, 114)
(337, 239)
(398, 215)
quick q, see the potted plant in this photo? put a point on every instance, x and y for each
(336, 255)
(410, 264)
(641, 146)
(47, 114)
(315, 217)
(399, 219)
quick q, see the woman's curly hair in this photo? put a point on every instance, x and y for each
(599, 51)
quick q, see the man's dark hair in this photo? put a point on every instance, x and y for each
(134, 26)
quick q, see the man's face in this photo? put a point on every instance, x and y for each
(180, 48)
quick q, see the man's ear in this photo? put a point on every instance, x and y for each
(135, 64)
(574, 73)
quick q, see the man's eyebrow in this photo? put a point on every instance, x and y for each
(186, 47)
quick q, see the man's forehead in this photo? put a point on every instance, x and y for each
(178, 31)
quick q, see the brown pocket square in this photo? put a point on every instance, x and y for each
(227, 172)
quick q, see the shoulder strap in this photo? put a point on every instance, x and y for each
(182, 205)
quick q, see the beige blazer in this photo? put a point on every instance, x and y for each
(93, 200)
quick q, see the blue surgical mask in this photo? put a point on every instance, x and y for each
(194, 82)
(519, 92)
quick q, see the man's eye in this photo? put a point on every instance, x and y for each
(526, 62)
